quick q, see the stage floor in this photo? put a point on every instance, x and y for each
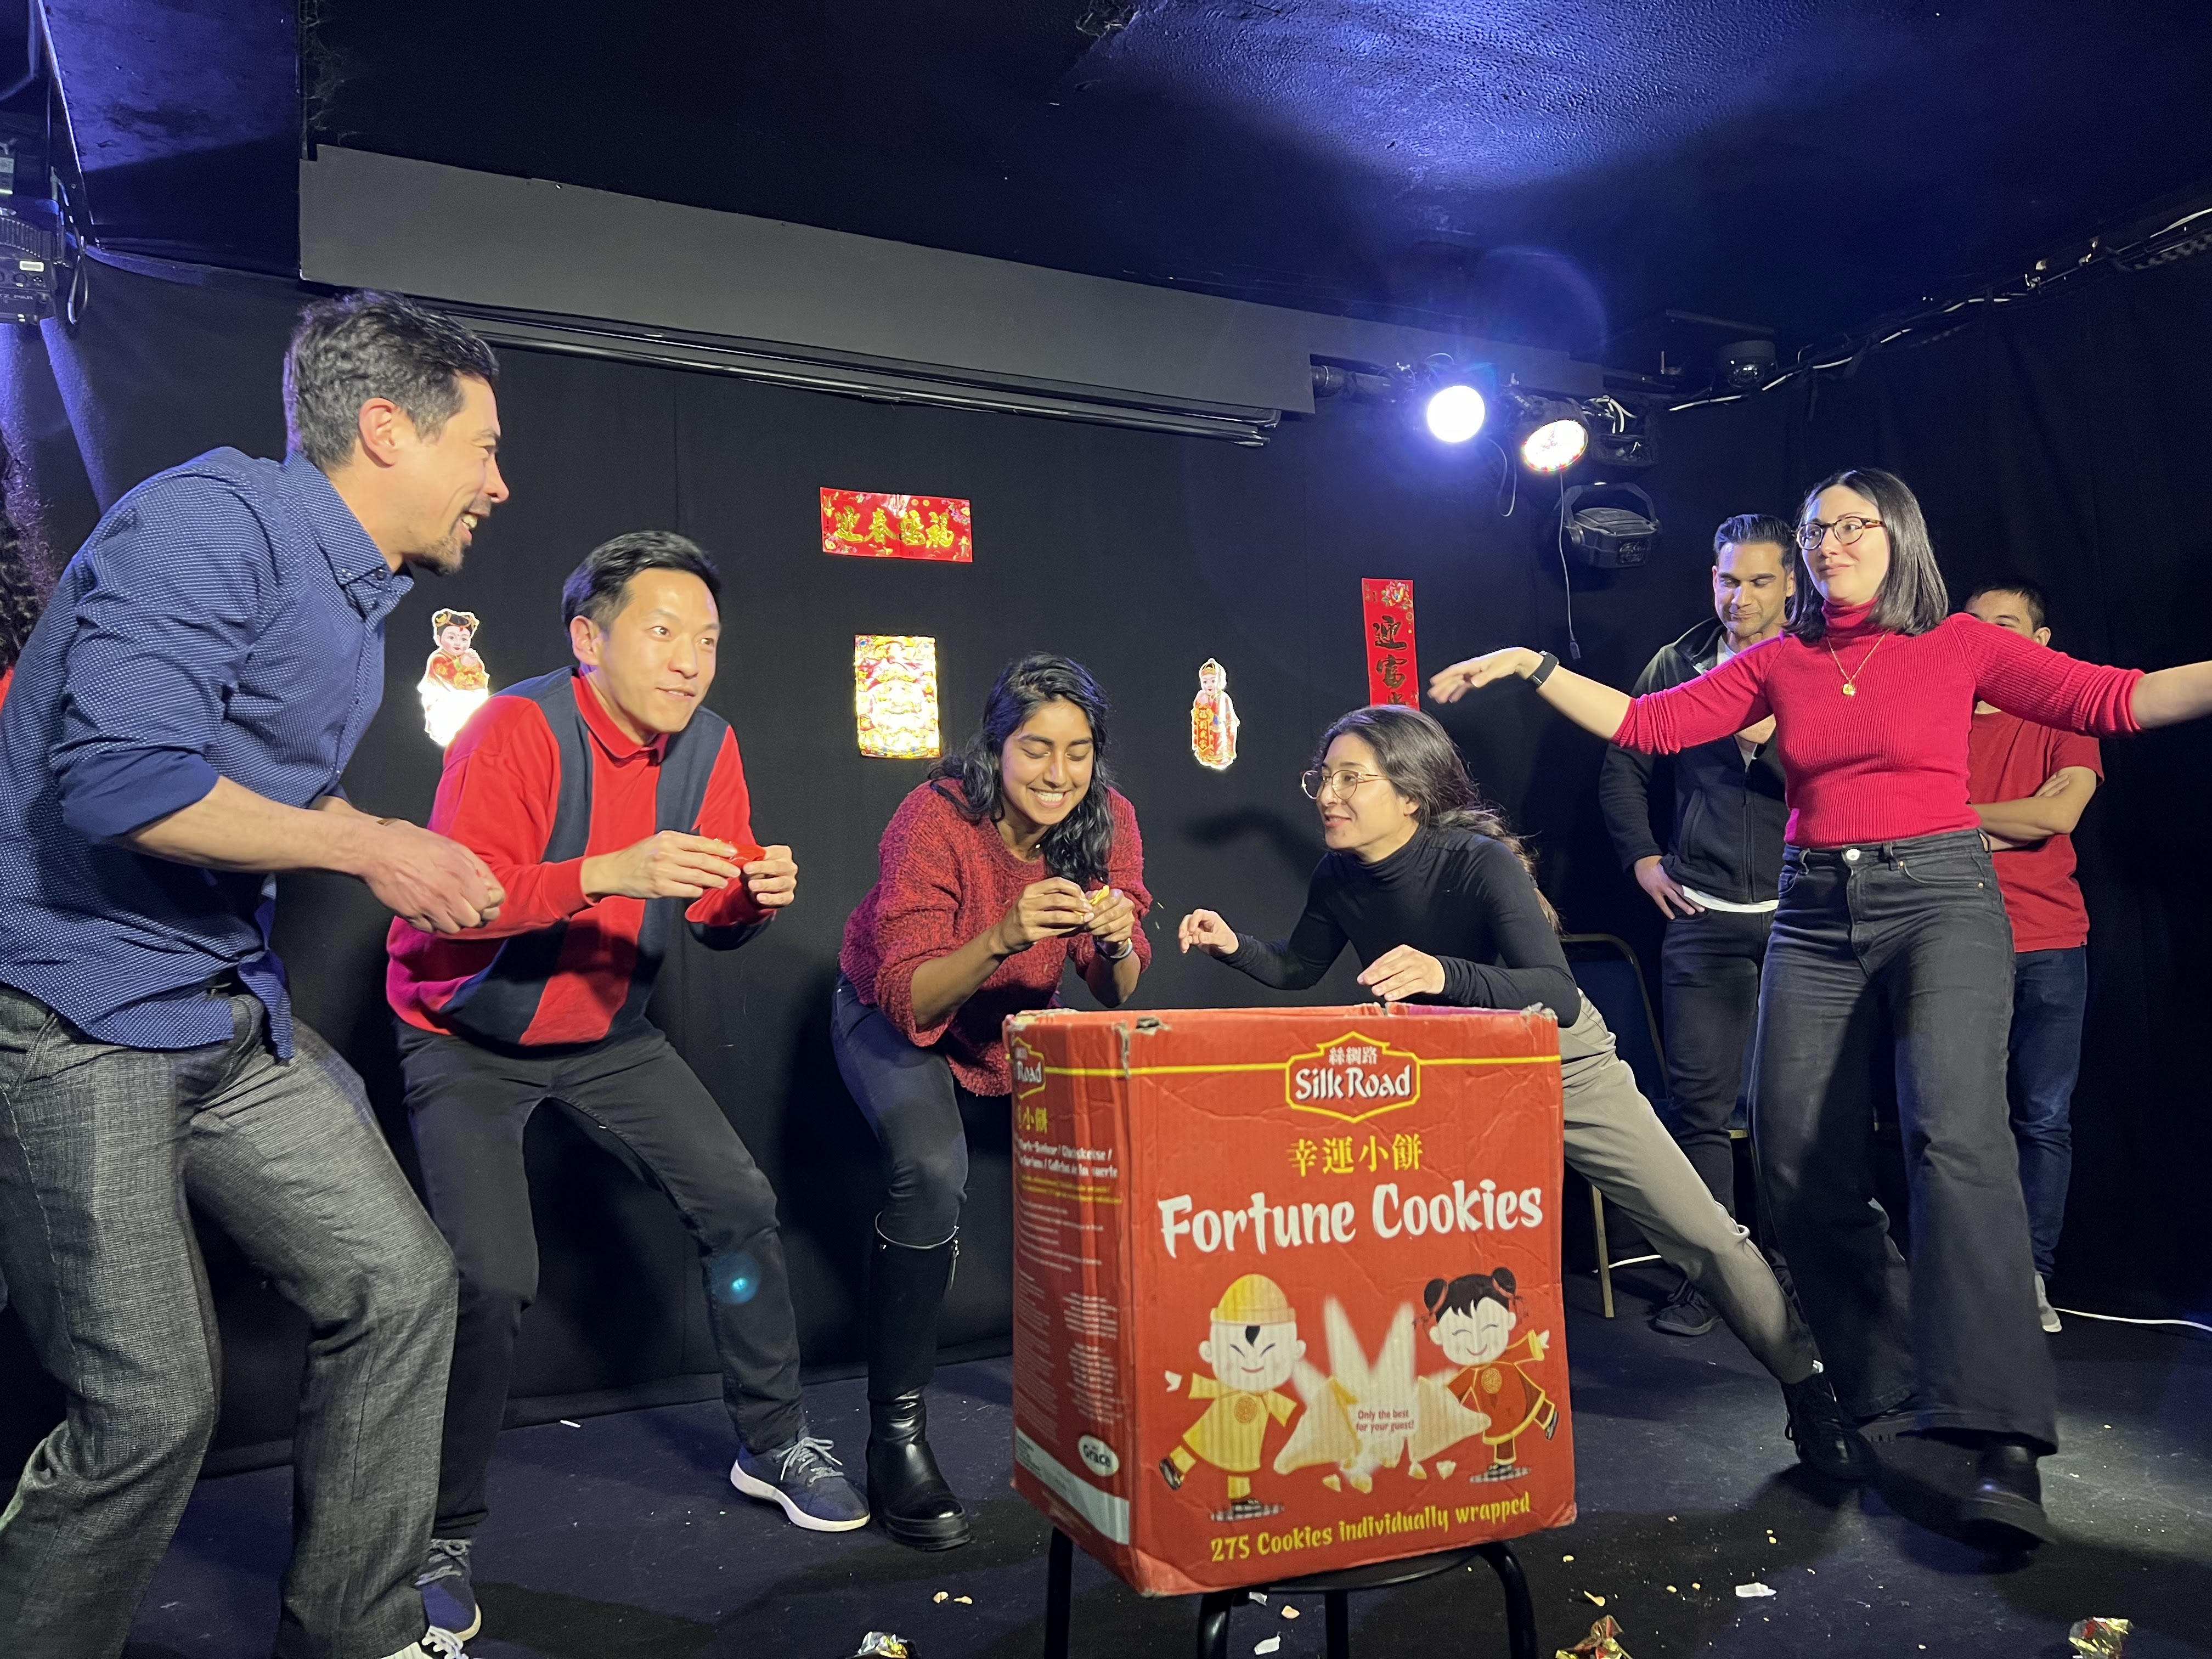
(621, 1539)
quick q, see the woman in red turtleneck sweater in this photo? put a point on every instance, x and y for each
(1890, 953)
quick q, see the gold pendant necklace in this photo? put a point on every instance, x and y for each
(1850, 687)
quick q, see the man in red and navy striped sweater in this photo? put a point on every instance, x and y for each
(611, 806)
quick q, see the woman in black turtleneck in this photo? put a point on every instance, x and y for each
(1440, 902)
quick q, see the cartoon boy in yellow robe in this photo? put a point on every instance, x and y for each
(1253, 1351)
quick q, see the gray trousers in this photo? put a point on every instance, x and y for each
(1616, 1142)
(100, 1148)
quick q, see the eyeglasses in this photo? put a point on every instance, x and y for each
(1343, 781)
(1848, 530)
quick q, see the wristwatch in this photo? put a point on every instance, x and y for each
(1122, 955)
(1542, 670)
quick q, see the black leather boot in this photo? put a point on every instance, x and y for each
(906, 1491)
(1826, 1441)
(2004, 1510)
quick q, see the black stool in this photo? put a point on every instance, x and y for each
(1215, 1606)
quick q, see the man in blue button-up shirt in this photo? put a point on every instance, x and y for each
(174, 735)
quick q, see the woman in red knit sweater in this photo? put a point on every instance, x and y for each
(1016, 861)
(1891, 954)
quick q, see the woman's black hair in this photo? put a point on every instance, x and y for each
(21, 597)
(1417, 757)
(1912, 597)
(1469, 1290)
(1079, 845)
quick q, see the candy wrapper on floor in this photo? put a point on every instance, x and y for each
(1603, 1642)
(2099, 1638)
(1286, 1287)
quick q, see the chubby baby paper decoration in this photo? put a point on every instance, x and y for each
(455, 682)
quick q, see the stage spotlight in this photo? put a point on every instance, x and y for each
(1611, 526)
(1555, 446)
(1455, 413)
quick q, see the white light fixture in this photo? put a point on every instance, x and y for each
(1455, 414)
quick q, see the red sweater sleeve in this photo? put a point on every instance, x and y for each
(917, 905)
(2049, 687)
(1125, 869)
(497, 797)
(1713, 706)
(726, 814)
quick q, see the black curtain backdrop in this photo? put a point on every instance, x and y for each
(2051, 438)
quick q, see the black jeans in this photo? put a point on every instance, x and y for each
(1709, 967)
(2049, 997)
(468, 1105)
(1896, 956)
(913, 1101)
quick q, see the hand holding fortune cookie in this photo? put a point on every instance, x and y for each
(1113, 918)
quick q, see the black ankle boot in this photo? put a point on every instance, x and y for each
(905, 1489)
(2004, 1510)
(1826, 1441)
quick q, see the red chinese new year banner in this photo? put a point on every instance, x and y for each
(866, 524)
(1393, 675)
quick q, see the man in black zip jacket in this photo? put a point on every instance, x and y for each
(1714, 881)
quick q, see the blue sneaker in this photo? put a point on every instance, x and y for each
(449, 1599)
(802, 1476)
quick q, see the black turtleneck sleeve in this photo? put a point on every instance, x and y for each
(1460, 897)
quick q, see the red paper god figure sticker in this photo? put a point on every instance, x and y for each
(1213, 721)
(455, 683)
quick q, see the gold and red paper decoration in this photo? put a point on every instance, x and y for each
(895, 696)
(865, 524)
(1393, 675)
(1213, 722)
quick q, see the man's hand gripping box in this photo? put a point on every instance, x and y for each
(1286, 1287)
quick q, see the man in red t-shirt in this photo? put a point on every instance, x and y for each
(611, 804)
(2029, 784)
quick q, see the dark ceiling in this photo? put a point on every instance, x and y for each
(1556, 172)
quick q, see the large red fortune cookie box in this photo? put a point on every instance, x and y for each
(1286, 1287)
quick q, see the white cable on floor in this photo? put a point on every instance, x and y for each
(2116, 1319)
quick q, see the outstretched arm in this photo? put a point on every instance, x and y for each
(1704, 710)
(1290, 964)
(2171, 696)
(1594, 706)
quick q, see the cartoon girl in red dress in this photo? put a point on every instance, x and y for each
(1471, 1320)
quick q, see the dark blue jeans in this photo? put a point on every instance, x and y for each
(1896, 958)
(2049, 995)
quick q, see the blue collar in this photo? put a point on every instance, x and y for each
(369, 584)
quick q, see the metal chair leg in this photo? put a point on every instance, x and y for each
(1337, 1610)
(1604, 1257)
(1213, 1622)
(1520, 1611)
(1059, 1594)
